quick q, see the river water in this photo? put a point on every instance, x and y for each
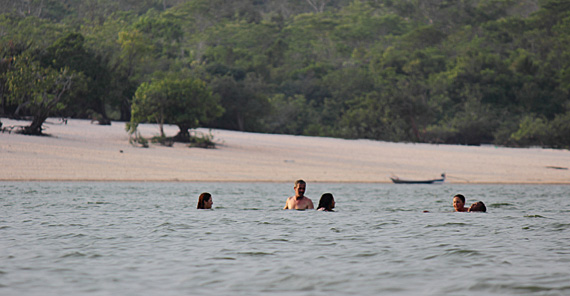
(74, 238)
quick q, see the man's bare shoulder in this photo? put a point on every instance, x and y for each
(310, 203)
(289, 200)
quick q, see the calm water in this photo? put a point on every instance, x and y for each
(148, 238)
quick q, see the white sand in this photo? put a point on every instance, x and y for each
(81, 151)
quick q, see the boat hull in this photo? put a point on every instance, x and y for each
(397, 180)
(400, 181)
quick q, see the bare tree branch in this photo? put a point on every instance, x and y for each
(318, 5)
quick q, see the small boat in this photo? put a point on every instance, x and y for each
(404, 181)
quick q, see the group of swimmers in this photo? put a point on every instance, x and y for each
(297, 202)
(300, 202)
(459, 205)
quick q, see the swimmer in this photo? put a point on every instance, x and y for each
(459, 203)
(205, 201)
(478, 207)
(326, 203)
(299, 201)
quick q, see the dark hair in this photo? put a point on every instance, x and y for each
(300, 181)
(204, 197)
(460, 197)
(326, 202)
(478, 207)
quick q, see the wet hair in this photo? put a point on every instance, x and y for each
(460, 196)
(478, 207)
(300, 181)
(326, 202)
(204, 198)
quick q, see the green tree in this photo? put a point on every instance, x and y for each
(30, 30)
(185, 102)
(165, 32)
(41, 91)
(8, 52)
(559, 129)
(290, 115)
(243, 100)
(69, 52)
(103, 41)
(134, 54)
(370, 117)
(531, 130)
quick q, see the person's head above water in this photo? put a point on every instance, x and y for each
(205, 201)
(300, 187)
(459, 203)
(326, 203)
(299, 201)
(478, 207)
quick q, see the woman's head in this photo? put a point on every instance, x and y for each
(205, 201)
(459, 202)
(326, 202)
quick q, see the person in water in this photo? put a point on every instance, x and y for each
(205, 201)
(326, 203)
(478, 207)
(299, 201)
(459, 203)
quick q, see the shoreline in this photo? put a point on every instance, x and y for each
(270, 181)
(83, 152)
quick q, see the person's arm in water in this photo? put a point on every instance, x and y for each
(287, 204)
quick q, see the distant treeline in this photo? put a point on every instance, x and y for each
(434, 71)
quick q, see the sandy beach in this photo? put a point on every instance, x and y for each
(81, 151)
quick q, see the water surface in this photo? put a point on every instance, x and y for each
(68, 238)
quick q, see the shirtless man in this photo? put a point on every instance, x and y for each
(299, 201)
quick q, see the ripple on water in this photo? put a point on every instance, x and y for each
(73, 254)
(447, 224)
(534, 216)
(500, 205)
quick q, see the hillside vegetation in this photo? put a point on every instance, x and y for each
(462, 72)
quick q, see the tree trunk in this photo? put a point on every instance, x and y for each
(415, 127)
(35, 128)
(40, 9)
(240, 122)
(125, 110)
(3, 103)
(183, 134)
(161, 123)
(104, 119)
(318, 5)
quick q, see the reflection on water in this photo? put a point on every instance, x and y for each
(148, 238)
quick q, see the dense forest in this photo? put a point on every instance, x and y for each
(435, 71)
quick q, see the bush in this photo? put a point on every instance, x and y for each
(163, 140)
(439, 134)
(532, 131)
(138, 140)
(201, 140)
(559, 131)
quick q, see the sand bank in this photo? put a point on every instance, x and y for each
(81, 151)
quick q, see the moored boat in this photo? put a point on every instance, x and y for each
(397, 180)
